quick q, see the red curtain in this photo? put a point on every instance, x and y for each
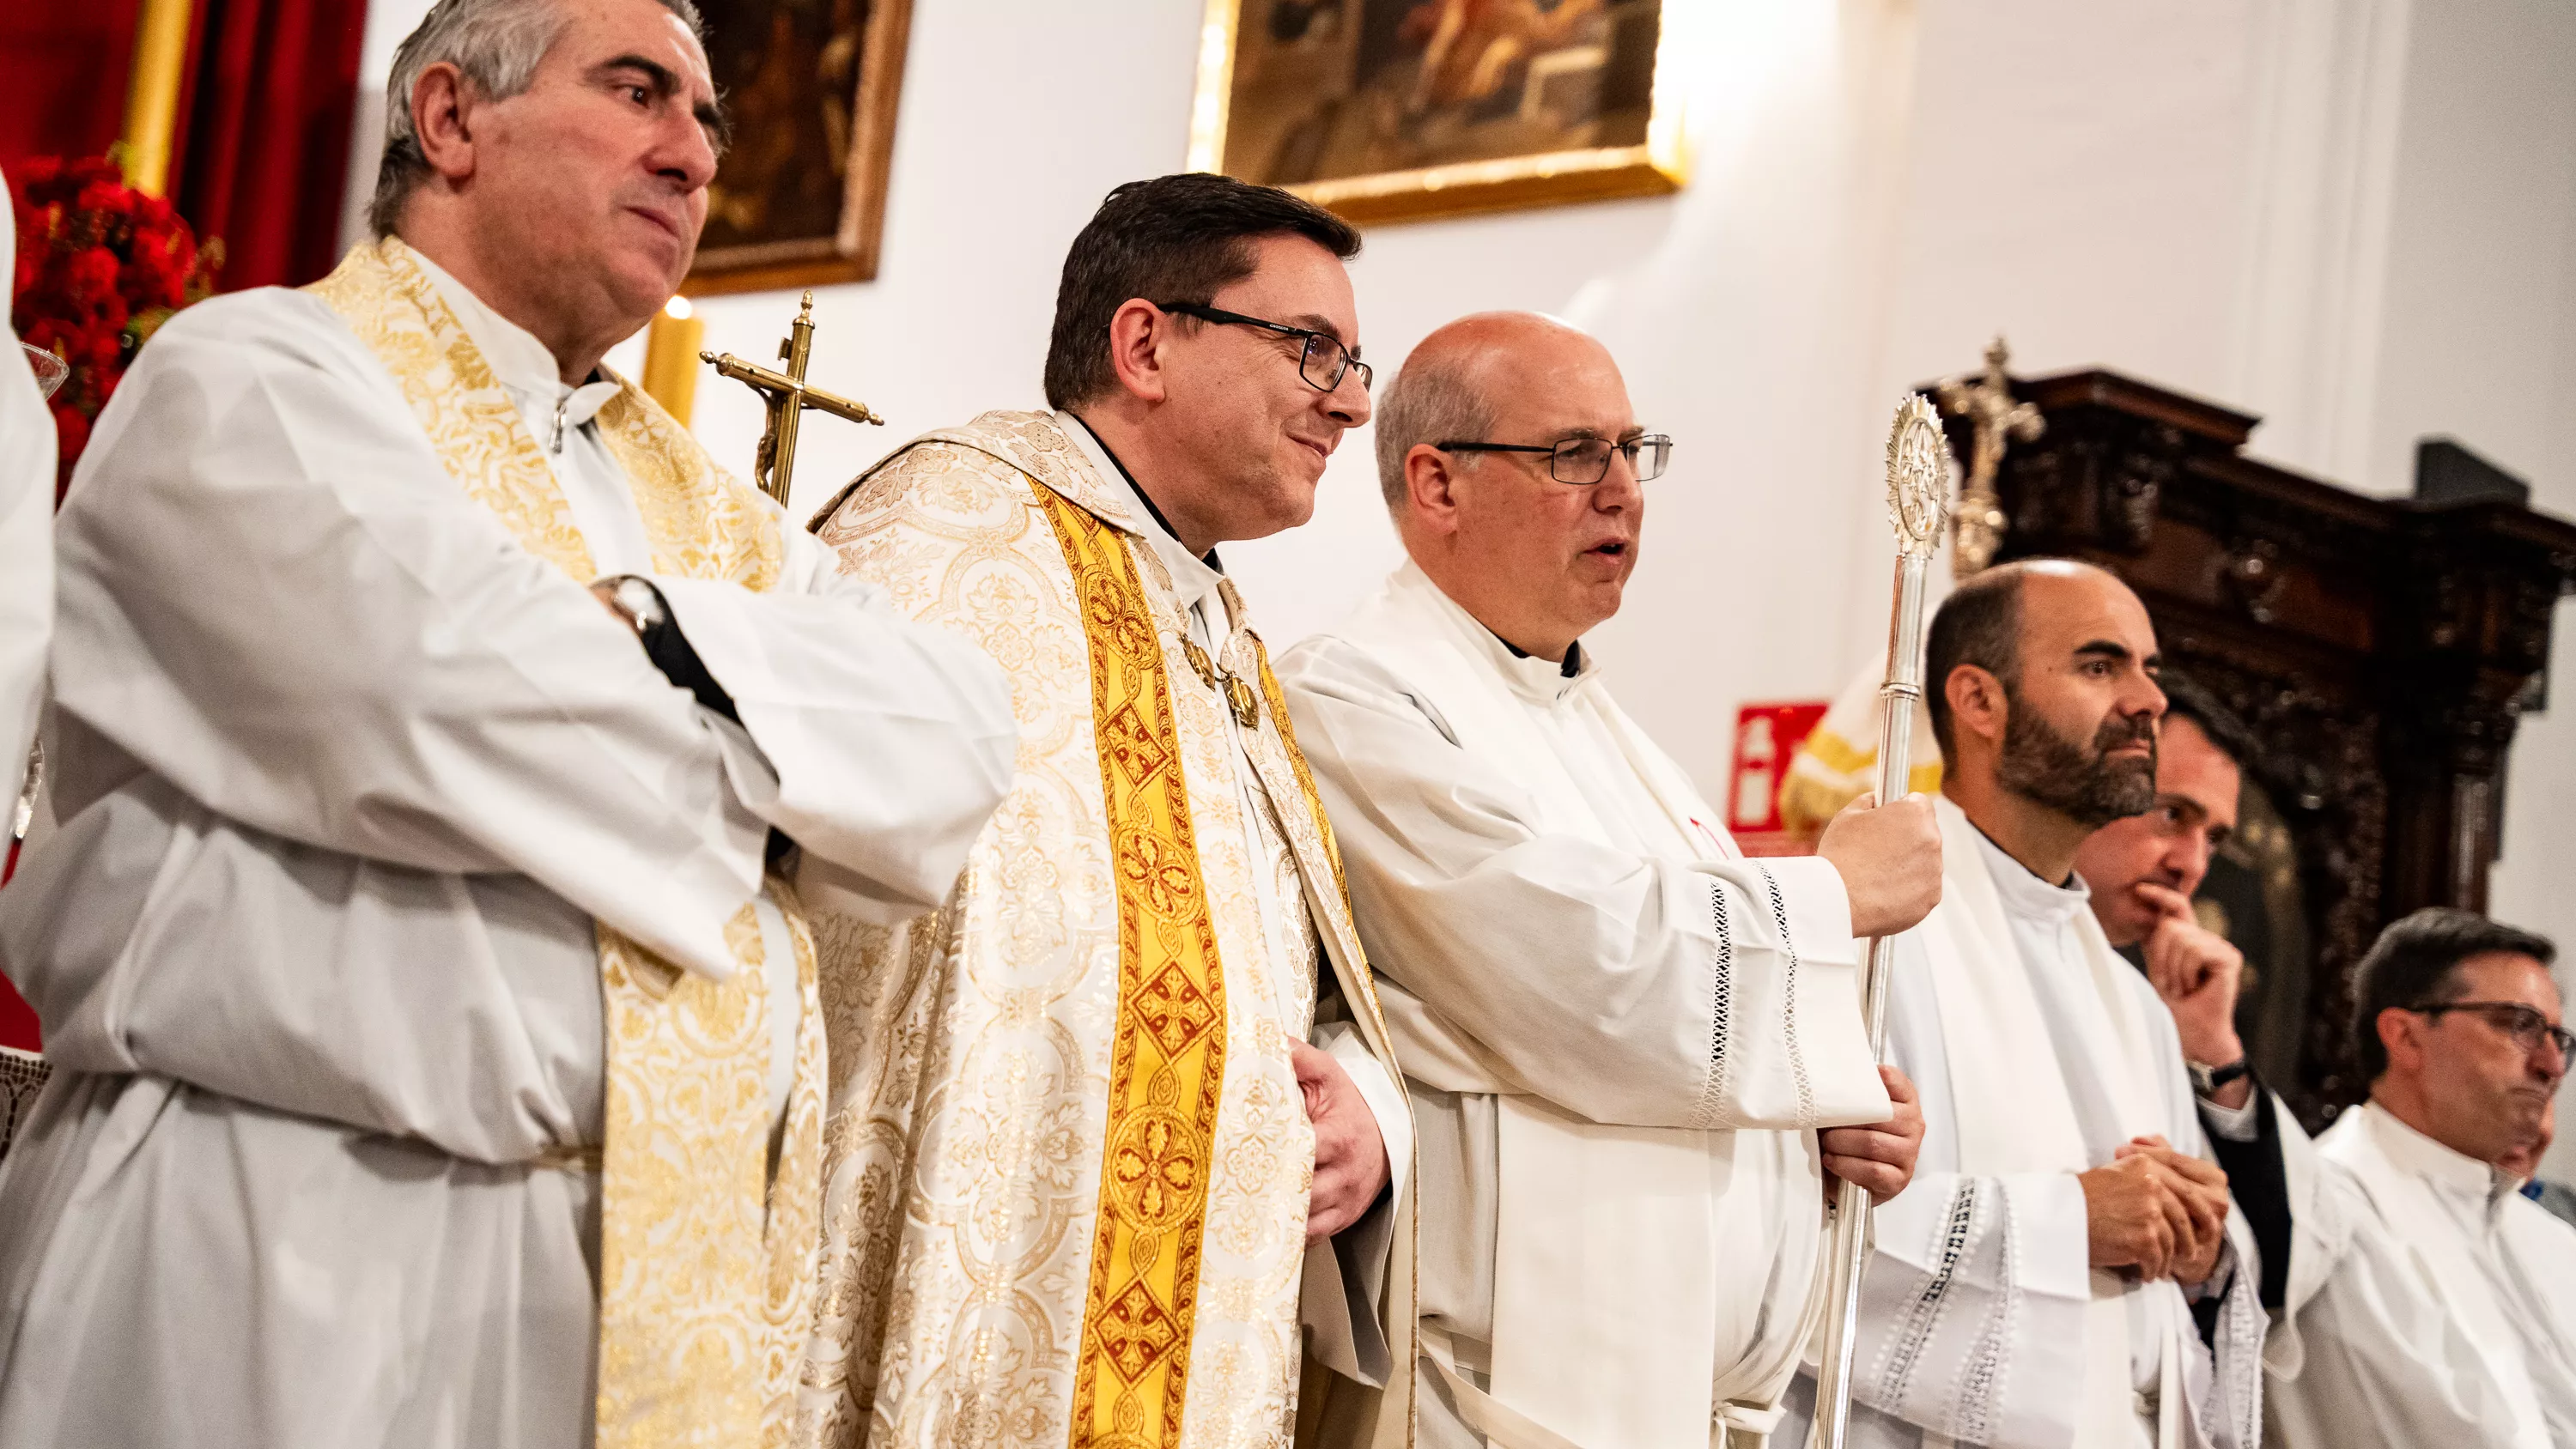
(261, 152)
(62, 76)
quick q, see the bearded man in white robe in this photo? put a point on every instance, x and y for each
(1632, 1052)
(1082, 1154)
(2427, 1298)
(434, 1065)
(2036, 1286)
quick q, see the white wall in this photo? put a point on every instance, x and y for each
(2079, 185)
(2479, 322)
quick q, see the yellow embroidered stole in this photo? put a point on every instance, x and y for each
(1167, 1051)
(706, 1260)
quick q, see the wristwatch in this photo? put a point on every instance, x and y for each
(2205, 1081)
(639, 602)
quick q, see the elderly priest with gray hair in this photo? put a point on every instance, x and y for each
(1635, 1056)
(437, 1060)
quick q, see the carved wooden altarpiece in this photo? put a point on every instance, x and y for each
(2380, 649)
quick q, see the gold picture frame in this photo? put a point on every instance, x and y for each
(812, 86)
(1513, 104)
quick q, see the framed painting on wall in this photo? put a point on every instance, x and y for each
(811, 87)
(1394, 109)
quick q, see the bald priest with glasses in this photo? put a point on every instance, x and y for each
(1635, 1057)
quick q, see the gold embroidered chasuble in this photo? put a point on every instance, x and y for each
(706, 1255)
(1067, 1160)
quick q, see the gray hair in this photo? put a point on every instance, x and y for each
(497, 45)
(1432, 400)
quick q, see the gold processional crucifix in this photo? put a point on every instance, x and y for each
(787, 396)
(1988, 405)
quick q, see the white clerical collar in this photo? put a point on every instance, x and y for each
(2435, 1161)
(1194, 579)
(2026, 895)
(1541, 681)
(518, 360)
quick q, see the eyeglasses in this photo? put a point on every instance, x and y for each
(2523, 1023)
(1585, 460)
(1324, 362)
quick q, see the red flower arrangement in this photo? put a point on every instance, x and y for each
(100, 267)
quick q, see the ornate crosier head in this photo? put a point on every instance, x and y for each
(1918, 478)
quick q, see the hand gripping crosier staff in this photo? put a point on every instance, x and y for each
(1918, 492)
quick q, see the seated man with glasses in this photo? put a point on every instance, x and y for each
(2423, 1314)
(1620, 1036)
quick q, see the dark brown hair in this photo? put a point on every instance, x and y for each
(2412, 963)
(1979, 624)
(2186, 699)
(1172, 239)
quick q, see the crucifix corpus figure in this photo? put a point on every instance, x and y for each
(1987, 404)
(787, 397)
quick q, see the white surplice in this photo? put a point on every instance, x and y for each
(1619, 1034)
(2427, 1301)
(26, 544)
(2039, 1052)
(346, 776)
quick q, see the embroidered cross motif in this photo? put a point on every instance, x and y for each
(1174, 1010)
(1129, 741)
(1136, 1333)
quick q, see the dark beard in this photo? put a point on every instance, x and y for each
(2046, 768)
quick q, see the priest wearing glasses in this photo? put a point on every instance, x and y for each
(1107, 1122)
(2432, 1309)
(1635, 1057)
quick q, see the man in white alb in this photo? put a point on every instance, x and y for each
(436, 1064)
(2427, 1298)
(2036, 1287)
(1621, 1037)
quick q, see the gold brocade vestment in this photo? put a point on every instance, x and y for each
(706, 1257)
(1067, 1159)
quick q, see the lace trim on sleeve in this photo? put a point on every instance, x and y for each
(1789, 999)
(1983, 1382)
(1712, 1091)
(1922, 1315)
(2241, 1324)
